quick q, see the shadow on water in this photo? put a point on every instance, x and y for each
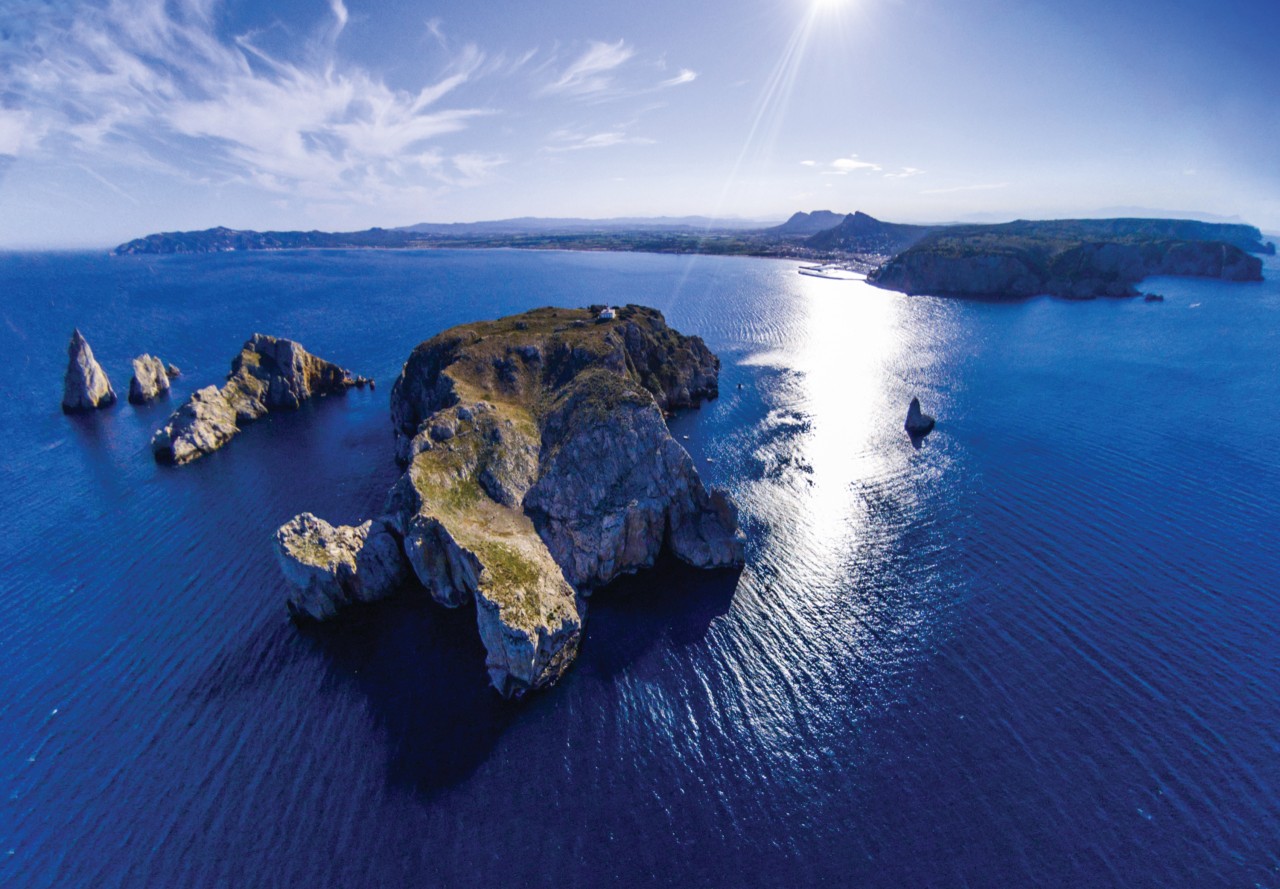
(630, 616)
(421, 668)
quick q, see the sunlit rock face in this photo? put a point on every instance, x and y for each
(150, 380)
(539, 466)
(270, 373)
(332, 567)
(85, 386)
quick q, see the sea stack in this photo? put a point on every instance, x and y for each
(150, 380)
(538, 467)
(85, 387)
(918, 422)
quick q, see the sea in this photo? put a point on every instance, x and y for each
(1039, 648)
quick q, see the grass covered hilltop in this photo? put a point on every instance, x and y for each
(538, 467)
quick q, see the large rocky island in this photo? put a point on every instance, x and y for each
(538, 467)
(1077, 258)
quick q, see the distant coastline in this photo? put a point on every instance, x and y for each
(1080, 258)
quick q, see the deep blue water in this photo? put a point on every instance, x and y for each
(1041, 650)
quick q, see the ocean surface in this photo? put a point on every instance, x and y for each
(1040, 650)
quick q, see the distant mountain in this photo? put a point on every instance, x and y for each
(807, 223)
(527, 231)
(535, 225)
(860, 233)
(224, 240)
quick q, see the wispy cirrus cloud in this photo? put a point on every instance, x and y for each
(591, 72)
(564, 140)
(685, 76)
(150, 83)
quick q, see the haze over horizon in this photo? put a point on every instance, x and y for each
(133, 116)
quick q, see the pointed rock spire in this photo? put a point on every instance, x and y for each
(86, 386)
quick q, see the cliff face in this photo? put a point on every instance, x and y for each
(989, 262)
(539, 466)
(270, 373)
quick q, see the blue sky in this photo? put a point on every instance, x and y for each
(132, 116)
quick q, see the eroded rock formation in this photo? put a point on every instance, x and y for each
(150, 380)
(269, 374)
(331, 567)
(85, 386)
(539, 466)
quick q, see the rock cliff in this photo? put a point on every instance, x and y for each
(85, 386)
(150, 380)
(1078, 259)
(539, 466)
(269, 374)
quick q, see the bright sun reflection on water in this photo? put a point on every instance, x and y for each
(853, 335)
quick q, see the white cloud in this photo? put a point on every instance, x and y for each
(150, 84)
(904, 173)
(685, 76)
(340, 16)
(15, 131)
(808, 163)
(850, 164)
(568, 141)
(590, 72)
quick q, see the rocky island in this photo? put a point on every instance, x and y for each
(1075, 258)
(270, 373)
(538, 467)
(85, 386)
(150, 380)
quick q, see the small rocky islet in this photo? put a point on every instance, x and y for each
(270, 373)
(85, 386)
(538, 467)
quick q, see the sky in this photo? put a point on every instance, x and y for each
(127, 117)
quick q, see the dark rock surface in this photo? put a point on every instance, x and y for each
(918, 423)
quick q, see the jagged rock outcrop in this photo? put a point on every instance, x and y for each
(85, 386)
(204, 423)
(172, 371)
(918, 423)
(539, 466)
(330, 567)
(270, 373)
(150, 380)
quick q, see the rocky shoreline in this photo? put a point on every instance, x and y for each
(538, 467)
